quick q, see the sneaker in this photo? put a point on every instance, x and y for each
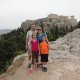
(37, 65)
(29, 66)
(40, 65)
(45, 69)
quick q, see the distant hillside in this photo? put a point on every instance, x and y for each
(4, 31)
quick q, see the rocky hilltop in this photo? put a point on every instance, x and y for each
(64, 62)
(51, 20)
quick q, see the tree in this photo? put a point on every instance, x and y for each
(9, 44)
(41, 25)
(56, 32)
(66, 30)
(78, 26)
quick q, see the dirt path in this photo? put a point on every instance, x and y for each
(57, 70)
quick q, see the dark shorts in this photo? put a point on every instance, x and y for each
(44, 57)
(35, 57)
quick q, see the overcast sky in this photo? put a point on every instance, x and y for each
(14, 12)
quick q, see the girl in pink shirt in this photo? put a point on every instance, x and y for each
(34, 50)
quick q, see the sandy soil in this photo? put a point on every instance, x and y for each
(57, 70)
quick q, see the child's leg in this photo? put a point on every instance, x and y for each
(36, 59)
(30, 68)
(46, 59)
(45, 64)
(35, 66)
(32, 59)
(29, 57)
(42, 60)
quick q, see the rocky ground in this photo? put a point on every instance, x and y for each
(64, 62)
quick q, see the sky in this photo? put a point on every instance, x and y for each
(14, 12)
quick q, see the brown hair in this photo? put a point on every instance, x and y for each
(33, 34)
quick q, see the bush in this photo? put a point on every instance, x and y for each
(18, 53)
(11, 45)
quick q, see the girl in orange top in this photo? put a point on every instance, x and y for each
(44, 50)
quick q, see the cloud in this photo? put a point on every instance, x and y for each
(13, 12)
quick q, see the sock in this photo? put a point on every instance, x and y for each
(45, 66)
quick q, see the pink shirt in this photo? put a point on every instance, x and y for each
(34, 46)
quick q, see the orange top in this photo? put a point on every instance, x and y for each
(44, 48)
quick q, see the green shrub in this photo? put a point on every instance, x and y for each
(18, 53)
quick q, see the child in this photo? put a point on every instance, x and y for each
(34, 50)
(44, 49)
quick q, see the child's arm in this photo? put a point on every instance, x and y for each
(30, 49)
(48, 48)
(47, 39)
(47, 42)
(27, 39)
